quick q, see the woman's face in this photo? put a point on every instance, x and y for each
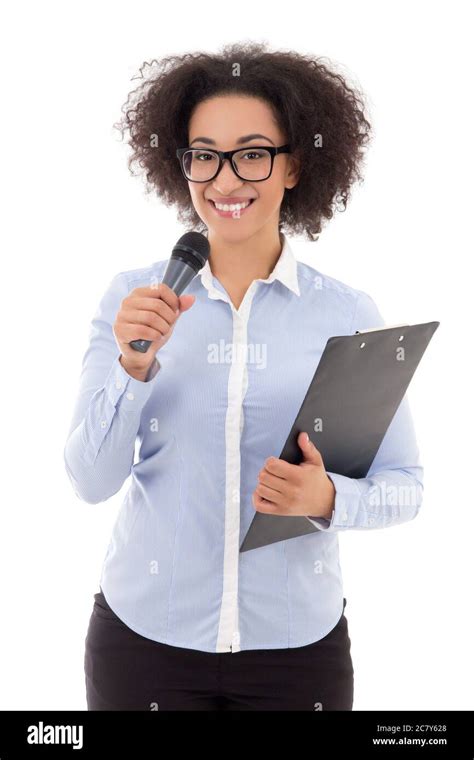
(223, 121)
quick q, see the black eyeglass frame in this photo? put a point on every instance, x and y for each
(223, 154)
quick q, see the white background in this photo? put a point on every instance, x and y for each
(75, 217)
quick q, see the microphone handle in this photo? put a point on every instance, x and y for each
(177, 276)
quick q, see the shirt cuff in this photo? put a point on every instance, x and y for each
(346, 504)
(135, 392)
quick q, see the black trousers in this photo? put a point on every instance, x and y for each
(127, 671)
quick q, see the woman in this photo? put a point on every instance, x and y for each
(182, 621)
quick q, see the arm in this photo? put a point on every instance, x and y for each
(100, 445)
(392, 492)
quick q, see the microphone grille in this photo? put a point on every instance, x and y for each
(193, 248)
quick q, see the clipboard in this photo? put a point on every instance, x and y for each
(355, 392)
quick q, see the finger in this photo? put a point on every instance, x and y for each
(275, 497)
(272, 481)
(282, 469)
(157, 306)
(185, 303)
(148, 318)
(261, 505)
(139, 332)
(160, 291)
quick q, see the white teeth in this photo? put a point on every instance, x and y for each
(231, 206)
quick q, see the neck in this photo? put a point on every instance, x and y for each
(240, 262)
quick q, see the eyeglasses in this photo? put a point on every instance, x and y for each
(252, 164)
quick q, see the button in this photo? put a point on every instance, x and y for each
(103, 424)
(236, 639)
(118, 384)
(130, 396)
(371, 520)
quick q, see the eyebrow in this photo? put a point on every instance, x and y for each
(244, 139)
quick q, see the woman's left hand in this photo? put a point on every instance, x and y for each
(295, 489)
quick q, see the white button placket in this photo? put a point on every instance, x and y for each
(228, 637)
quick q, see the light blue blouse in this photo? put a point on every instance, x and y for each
(219, 400)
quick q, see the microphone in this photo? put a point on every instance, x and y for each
(188, 256)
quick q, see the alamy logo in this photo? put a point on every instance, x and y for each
(42, 734)
(228, 353)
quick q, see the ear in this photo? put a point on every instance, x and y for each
(293, 171)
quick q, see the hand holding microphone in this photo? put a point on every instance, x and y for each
(147, 315)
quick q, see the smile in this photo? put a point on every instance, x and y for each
(231, 209)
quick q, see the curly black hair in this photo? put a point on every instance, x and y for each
(308, 98)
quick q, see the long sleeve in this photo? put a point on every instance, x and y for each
(392, 491)
(100, 445)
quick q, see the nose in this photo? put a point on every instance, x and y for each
(226, 180)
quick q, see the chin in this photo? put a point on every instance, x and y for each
(232, 233)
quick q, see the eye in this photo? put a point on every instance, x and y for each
(204, 156)
(255, 153)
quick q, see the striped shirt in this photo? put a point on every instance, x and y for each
(219, 400)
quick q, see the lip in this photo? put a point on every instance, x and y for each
(230, 213)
